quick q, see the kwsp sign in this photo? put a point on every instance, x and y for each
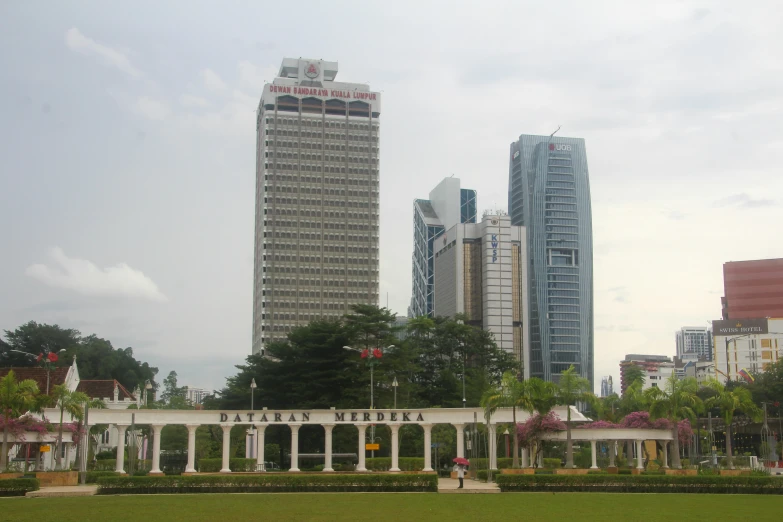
(494, 248)
(338, 417)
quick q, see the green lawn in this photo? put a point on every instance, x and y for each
(398, 507)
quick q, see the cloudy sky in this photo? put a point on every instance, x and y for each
(127, 151)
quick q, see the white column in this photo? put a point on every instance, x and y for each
(67, 456)
(460, 439)
(362, 434)
(328, 447)
(665, 454)
(294, 446)
(612, 453)
(157, 429)
(395, 447)
(260, 457)
(523, 462)
(593, 452)
(639, 455)
(428, 446)
(226, 448)
(493, 451)
(191, 467)
(120, 448)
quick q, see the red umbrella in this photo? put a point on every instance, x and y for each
(462, 460)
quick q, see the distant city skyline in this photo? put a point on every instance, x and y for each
(127, 193)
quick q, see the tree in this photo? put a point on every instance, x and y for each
(678, 401)
(16, 398)
(633, 374)
(731, 402)
(572, 388)
(34, 338)
(513, 394)
(73, 402)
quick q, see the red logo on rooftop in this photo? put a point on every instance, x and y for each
(311, 70)
(551, 146)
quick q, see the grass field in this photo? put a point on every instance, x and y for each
(399, 507)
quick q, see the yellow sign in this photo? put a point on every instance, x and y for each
(44, 449)
(372, 447)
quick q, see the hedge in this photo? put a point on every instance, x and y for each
(215, 465)
(640, 484)
(267, 484)
(482, 463)
(18, 487)
(384, 463)
(93, 476)
(111, 464)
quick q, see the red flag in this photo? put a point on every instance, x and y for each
(365, 353)
(40, 356)
(52, 357)
(377, 353)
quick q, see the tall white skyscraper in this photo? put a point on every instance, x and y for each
(317, 182)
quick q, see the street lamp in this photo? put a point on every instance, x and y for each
(253, 387)
(394, 385)
(147, 388)
(371, 356)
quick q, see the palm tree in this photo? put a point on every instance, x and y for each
(16, 398)
(676, 402)
(512, 393)
(72, 402)
(729, 402)
(571, 389)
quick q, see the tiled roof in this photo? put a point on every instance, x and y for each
(104, 389)
(56, 376)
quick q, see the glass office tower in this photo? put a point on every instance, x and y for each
(549, 193)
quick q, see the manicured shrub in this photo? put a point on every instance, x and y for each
(552, 463)
(236, 464)
(18, 487)
(482, 475)
(93, 476)
(271, 483)
(641, 484)
(384, 463)
(596, 472)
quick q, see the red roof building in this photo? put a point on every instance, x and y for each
(753, 289)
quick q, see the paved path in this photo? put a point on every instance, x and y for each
(64, 491)
(449, 485)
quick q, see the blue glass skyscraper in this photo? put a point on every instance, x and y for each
(549, 194)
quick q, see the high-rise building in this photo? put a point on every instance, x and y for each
(656, 370)
(606, 386)
(694, 340)
(746, 346)
(448, 205)
(549, 194)
(480, 271)
(195, 395)
(316, 234)
(753, 289)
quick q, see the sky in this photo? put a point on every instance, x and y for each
(127, 170)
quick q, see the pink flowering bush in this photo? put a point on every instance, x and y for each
(26, 423)
(641, 419)
(531, 430)
(600, 424)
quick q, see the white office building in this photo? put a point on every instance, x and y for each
(481, 271)
(694, 340)
(744, 347)
(317, 200)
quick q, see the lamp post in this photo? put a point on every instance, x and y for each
(394, 385)
(253, 387)
(464, 363)
(250, 451)
(371, 356)
(147, 388)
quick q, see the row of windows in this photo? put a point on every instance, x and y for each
(314, 145)
(326, 203)
(297, 210)
(563, 309)
(294, 282)
(327, 226)
(317, 167)
(559, 184)
(561, 214)
(317, 122)
(317, 158)
(559, 170)
(317, 135)
(319, 179)
(571, 230)
(571, 222)
(280, 258)
(313, 285)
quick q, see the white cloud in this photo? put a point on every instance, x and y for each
(86, 278)
(253, 77)
(152, 109)
(188, 100)
(76, 41)
(212, 81)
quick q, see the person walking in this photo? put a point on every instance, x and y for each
(460, 475)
